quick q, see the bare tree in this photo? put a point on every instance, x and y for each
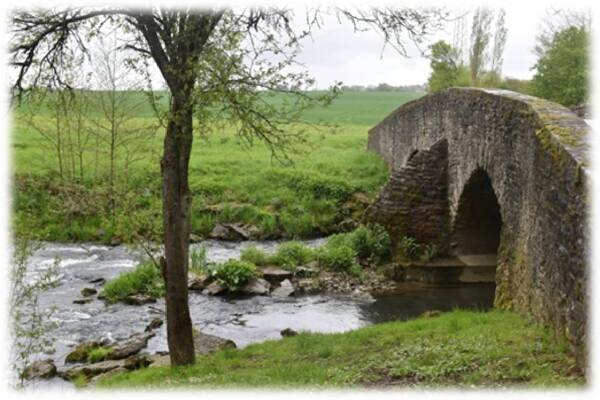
(215, 62)
(557, 20)
(480, 39)
(499, 43)
(118, 99)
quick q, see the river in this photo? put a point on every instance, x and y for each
(244, 320)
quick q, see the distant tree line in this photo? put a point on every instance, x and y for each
(383, 87)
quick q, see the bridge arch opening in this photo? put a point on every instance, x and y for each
(478, 219)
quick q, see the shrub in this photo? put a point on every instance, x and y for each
(371, 242)
(143, 279)
(292, 254)
(254, 255)
(339, 257)
(233, 273)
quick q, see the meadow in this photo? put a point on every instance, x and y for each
(230, 181)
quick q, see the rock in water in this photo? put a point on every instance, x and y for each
(130, 346)
(155, 323)
(42, 369)
(198, 283)
(276, 274)
(236, 231)
(98, 281)
(90, 370)
(206, 344)
(81, 351)
(256, 286)
(287, 332)
(285, 290)
(88, 291)
(103, 367)
(308, 270)
(139, 299)
(83, 301)
(214, 288)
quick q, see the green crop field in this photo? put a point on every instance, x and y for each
(230, 181)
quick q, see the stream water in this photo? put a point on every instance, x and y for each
(243, 320)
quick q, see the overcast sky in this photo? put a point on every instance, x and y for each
(337, 53)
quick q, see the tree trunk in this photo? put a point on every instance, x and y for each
(177, 202)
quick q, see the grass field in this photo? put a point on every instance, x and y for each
(460, 348)
(229, 182)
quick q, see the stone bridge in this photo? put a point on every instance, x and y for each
(495, 172)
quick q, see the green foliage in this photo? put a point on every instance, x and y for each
(371, 242)
(254, 256)
(233, 274)
(562, 72)
(145, 278)
(444, 65)
(98, 354)
(457, 349)
(198, 259)
(411, 250)
(339, 256)
(292, 254)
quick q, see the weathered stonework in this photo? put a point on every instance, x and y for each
(532, 154)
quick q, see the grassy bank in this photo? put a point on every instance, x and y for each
(460, 348)
(229, 182)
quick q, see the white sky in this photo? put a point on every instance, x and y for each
(337, 53)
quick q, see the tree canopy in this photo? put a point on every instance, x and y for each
(561, 73)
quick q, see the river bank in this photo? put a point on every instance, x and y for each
(464, 349)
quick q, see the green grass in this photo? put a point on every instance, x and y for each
(460, 348)
(98, 354)
(229, 182)
(143, 279)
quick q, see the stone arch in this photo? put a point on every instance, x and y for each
(478, 221)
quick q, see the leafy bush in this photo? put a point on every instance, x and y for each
(292, 254)
(371, 242)
(199, 259)
(233, 273)
(254, 255)
(339, 257)
(143, 279)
